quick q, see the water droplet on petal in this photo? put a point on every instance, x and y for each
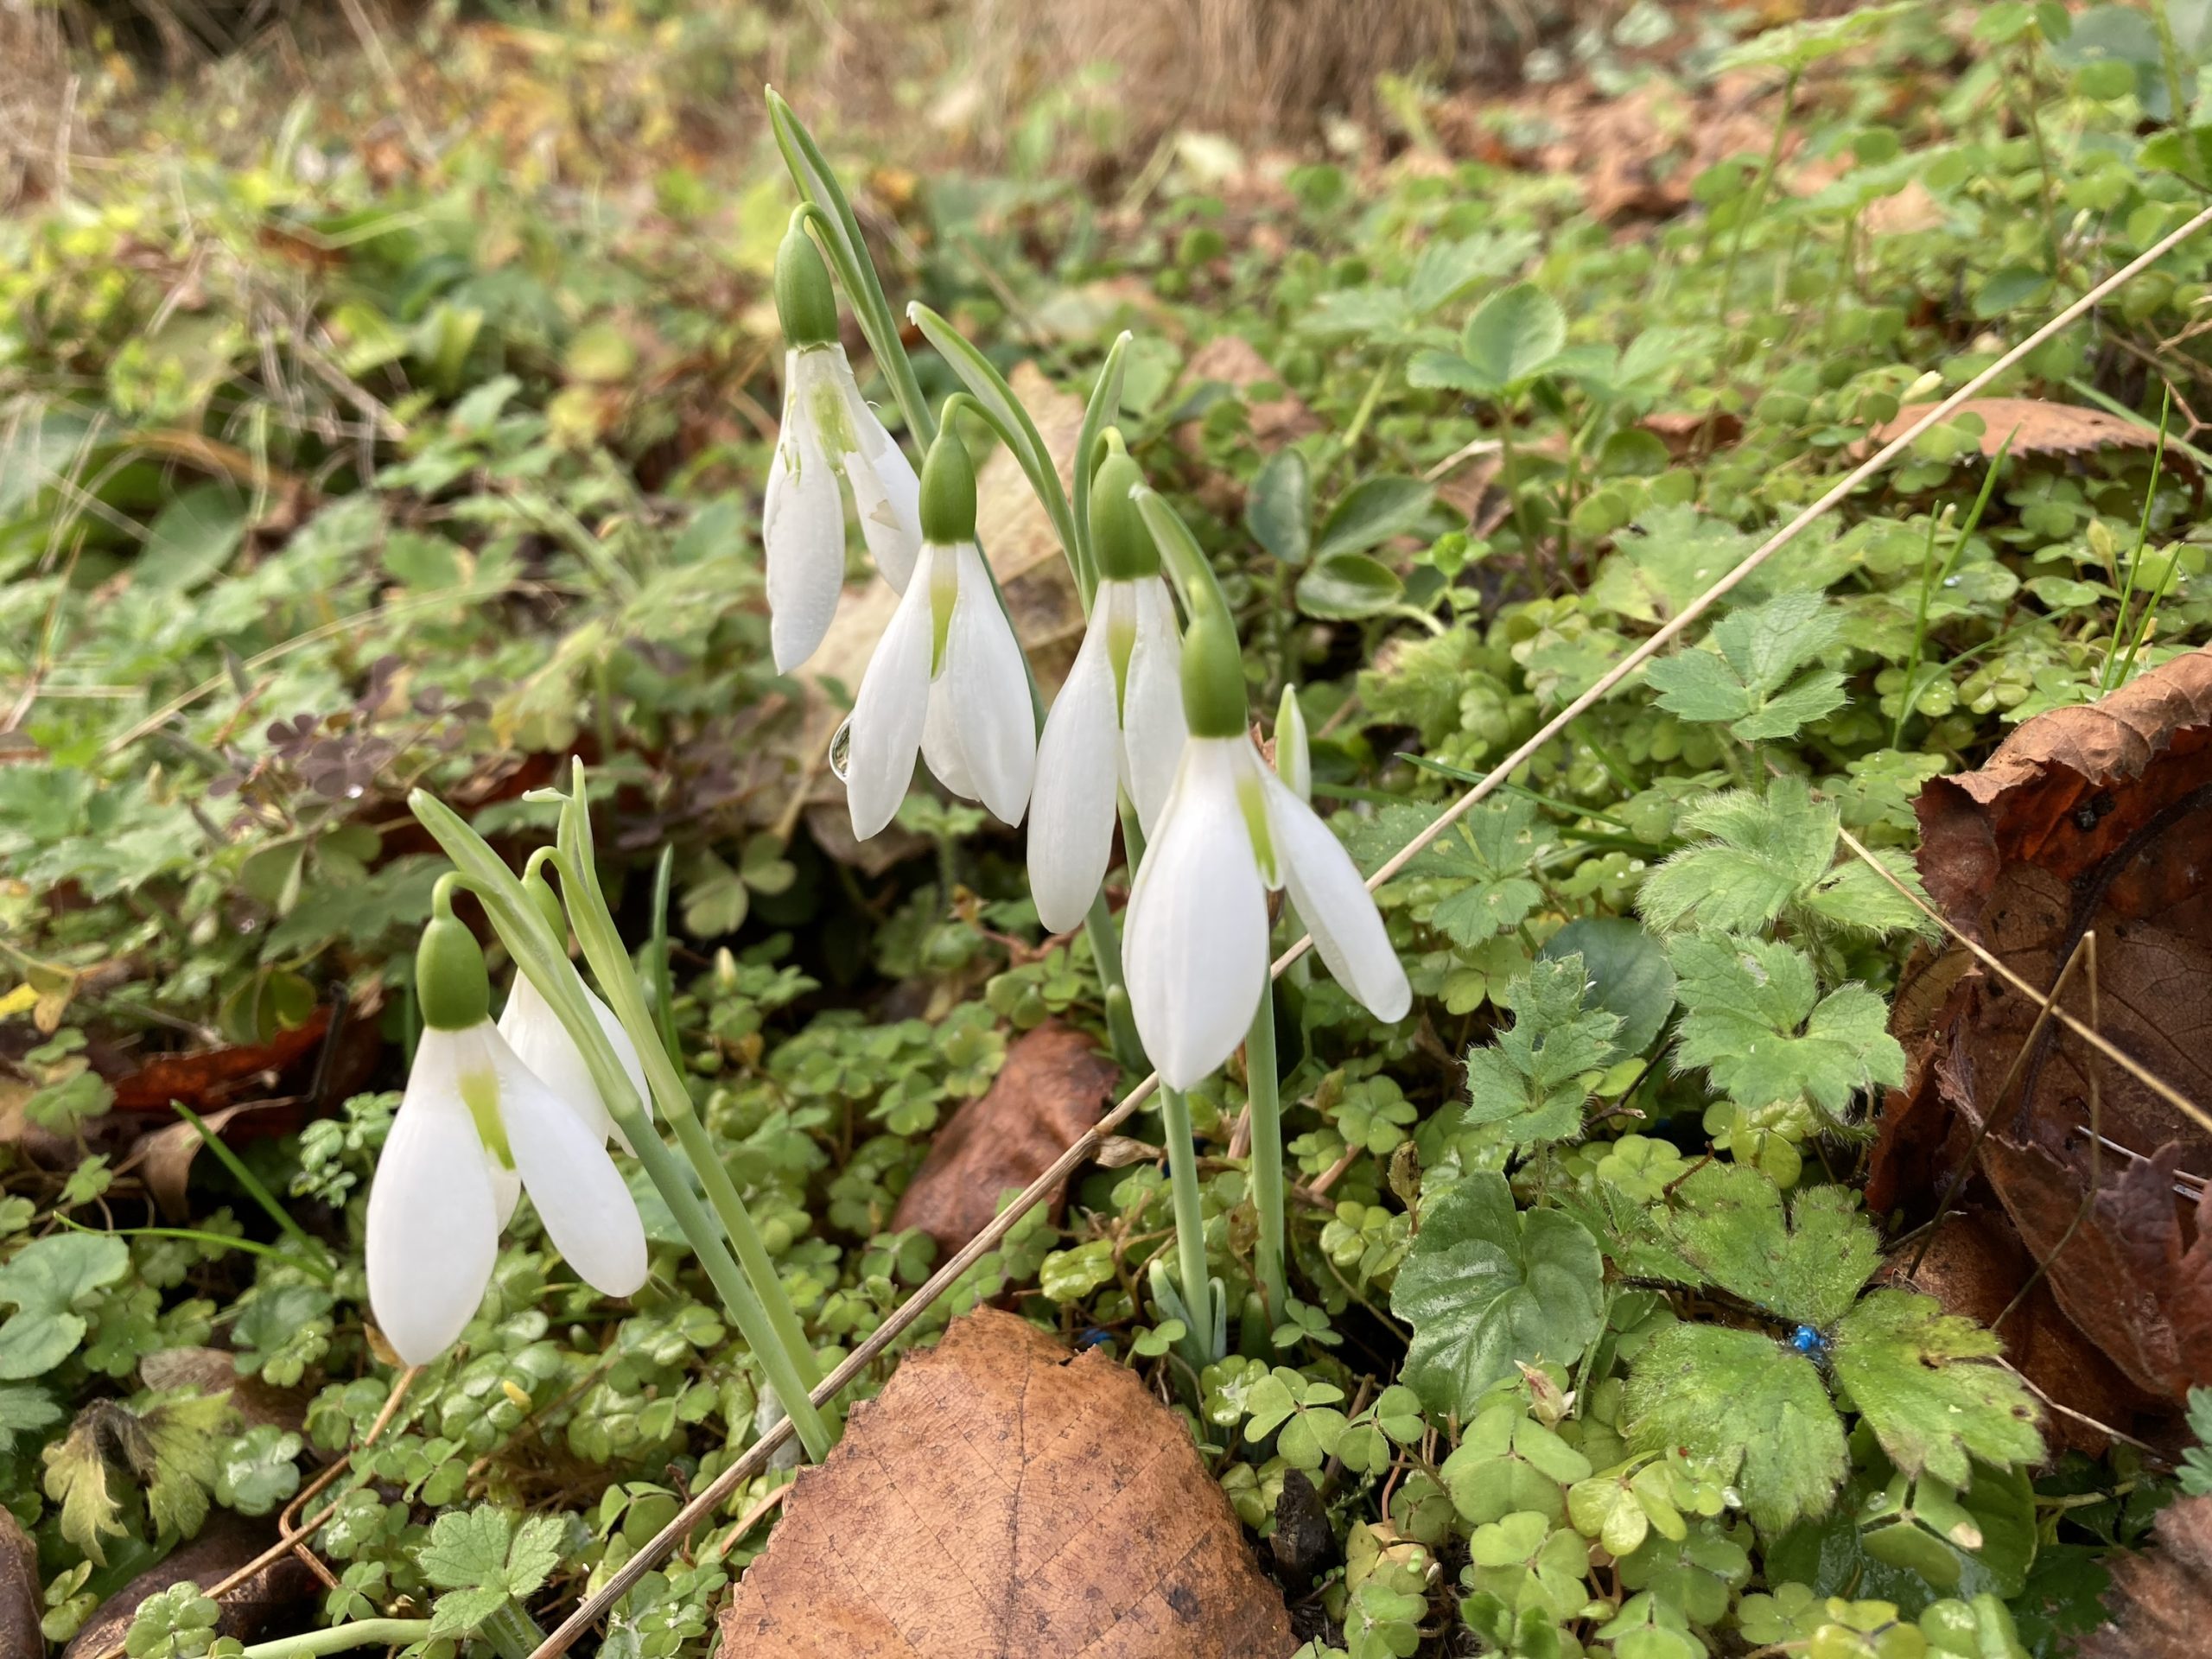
(841, 750)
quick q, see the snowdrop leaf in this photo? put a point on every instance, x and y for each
(1741, 1401)
(1927, 1385)
(1485, 1287)
(1755, 1020)
(1534, 1078)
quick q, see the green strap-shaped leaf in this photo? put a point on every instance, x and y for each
(1104, 409)
(811, 171)
(1007, 417)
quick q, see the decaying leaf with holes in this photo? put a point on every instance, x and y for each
(2161, 1600)
(2092, 819)
(998, 1498)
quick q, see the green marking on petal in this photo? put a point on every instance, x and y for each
(1252, 801)
(944, 588)
(833, 420)
(479, 1092)
(1121, 646)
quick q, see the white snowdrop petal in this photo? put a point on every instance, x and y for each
(889, 712)
(1152, 713)
(885, 492)
(987, 685)
(1072, 810)
(587, 1211)
(1335, 904)
(432, 1237)
(1195, 943)
(801, 527)
(942, 750)
(542, 1043)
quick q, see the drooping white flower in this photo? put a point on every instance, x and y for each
(829, 433)
(475, 1129)
(542, 1043)
(947, 680)
(1117, 724)
(1195, 939)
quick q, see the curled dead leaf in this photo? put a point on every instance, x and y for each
(1054, 1086)
(213, 1371)
(2095, 819)
(212, 1076)
(1000, 1500)
(2036, 426)
(2161, 1600)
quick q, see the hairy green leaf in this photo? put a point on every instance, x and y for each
(1534, 1078)
(1806, 1268)
(1927, 1385)
(1485, 1287)
(1754, 1018)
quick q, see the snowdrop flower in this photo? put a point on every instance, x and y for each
(1196, 941)
(475, 1128)
(542, 1043)
(828, 433)
(947, 680)
(1118, 723)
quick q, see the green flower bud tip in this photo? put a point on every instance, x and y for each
(549, 904)
(1126, 549)
(805, 302)
(1213, 678)
(450, 983)
(947, 505)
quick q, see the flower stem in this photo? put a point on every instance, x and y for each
(1105, 940)
(1194, 1281)
(361, 1633)
(618, 979)
(544, 960)
(1263, 1093)
(512, 1632)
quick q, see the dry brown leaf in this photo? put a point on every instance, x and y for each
(209, 1078)
(2161, 1600)
(20, 1598)
(2036, 426)
(226, 1544)
(2095, 818)
(165, 1156)
(1016, 534)
(1234, 361)
(1000, 1500)
(1688, 432)
(1054, 1086)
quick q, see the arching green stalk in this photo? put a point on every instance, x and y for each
(543, 960)
(848, 251)
(1263, 1095)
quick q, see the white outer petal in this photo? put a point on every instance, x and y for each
(942, 751)
(1195, 945)
(1335, 904)
(802, 525)
(889, 712)
(1072, 810)
(885, 492)
(543, 1044)
(988, 686)
(587, 1211)
(1152, 711)
(432, 1235)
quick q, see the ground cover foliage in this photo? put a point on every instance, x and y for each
(357, 462)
